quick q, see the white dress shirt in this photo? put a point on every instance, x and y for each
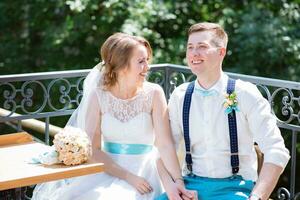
(209, 133)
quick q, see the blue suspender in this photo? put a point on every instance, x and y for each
(231, 123)
(185, 122)
(233, 132)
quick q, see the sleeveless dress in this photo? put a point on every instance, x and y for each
(124, 124)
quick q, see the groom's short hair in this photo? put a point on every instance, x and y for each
(220, 39)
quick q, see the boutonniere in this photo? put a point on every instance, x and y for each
(230, 103)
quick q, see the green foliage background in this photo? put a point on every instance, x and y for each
(47, 35)
(52, 35)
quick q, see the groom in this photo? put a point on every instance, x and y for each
(220, 119)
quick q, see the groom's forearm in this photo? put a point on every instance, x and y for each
(267, 180)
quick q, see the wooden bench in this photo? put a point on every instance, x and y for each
(15, 171)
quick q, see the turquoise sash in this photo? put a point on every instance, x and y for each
(132, 149)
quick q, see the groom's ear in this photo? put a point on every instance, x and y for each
(222, 51)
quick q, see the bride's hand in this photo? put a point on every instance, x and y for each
(139, 183)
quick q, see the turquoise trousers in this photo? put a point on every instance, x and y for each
(232, 188)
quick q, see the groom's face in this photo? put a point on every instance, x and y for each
(203, 56)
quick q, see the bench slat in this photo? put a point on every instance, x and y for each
(15, 138)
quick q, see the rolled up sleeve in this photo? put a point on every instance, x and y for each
(266, 134)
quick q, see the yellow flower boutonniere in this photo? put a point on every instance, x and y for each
(230, 103)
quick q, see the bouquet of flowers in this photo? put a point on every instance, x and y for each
(71, 147)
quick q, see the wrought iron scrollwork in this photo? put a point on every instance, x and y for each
(9, 98)
(64, 91)
(157, 76)
(33, 97)
(283, 194)
(297, 196)
(28, 93)
(175, 79)
(79, 90)
(287, 104)
(190, 77)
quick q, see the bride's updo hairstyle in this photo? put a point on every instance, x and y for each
(116, 53)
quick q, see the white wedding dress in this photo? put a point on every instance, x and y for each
(122, 122)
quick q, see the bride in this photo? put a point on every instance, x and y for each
(124, 116)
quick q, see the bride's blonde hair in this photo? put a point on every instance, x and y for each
(116, 53)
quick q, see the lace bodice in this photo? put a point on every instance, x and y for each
(128, 121)
(125, 110)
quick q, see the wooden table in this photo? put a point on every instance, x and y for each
(15, 171)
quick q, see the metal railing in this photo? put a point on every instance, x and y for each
(52, 94)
